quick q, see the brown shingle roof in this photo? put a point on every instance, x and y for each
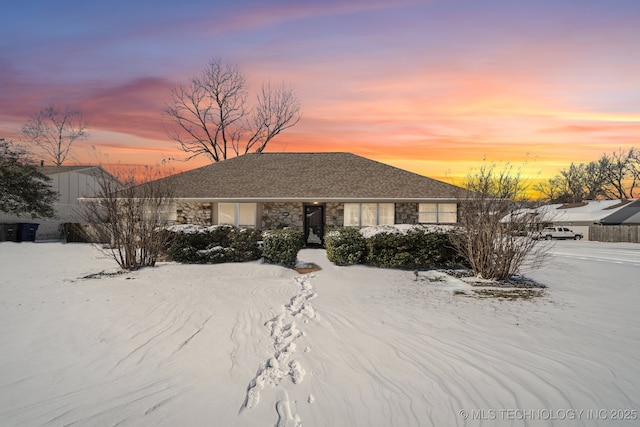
(321, 176)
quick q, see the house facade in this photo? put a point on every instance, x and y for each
(311, 192)
(71, 183)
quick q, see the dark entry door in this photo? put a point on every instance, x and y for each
(314, 225)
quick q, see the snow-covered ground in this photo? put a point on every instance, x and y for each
(260, 345)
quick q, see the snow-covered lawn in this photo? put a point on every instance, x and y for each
(260, 345)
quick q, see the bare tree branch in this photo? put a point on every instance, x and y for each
(131, 218)
(277, 109)
(212, 116)
(493, 225)
(613, 176)
(52, 131)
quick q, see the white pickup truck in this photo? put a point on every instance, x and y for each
(549, 233)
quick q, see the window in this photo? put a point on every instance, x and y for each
(160, 212)
(238, 214)
(368, 214)
(438, 213)
(246, 215)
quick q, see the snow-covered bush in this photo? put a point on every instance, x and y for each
(345, 246)
(215, 244)
(246, 244)
(282, 246)
(400, 246)
(416, 248)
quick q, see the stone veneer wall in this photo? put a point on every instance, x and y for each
(282, 214)
(406, 213)
(195, 213)
(333, 215)
(291, 214)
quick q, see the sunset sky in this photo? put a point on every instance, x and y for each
(430, 86)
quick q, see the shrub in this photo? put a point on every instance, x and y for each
(345, 246)
(282, 246)
(416, 249)
(212, 245)
(244, 243)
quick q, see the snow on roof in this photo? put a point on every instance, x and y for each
(589, 211)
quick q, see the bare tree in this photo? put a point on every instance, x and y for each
(210, 114)
(493, 222)
(131, 217)
(594, 179)
(53, 130)
(573, 182)
(622, 173)
(552, 189)
(613, 176)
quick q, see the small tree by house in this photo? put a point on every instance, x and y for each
(493, 224)
(23, 189)
(132, 217)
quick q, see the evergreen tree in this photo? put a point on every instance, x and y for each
(23, 189)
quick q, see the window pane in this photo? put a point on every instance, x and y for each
(428, 212)
(447, 213)
(351, 215)
(247, 216)
(169, 212)
(386, 213)
(369, 214)
(227, 213)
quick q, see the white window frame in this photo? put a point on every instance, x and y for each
(377, 214)
(236, 214)
(440, 212)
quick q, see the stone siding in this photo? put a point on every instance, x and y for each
(334, 215)
(282, 214)
(195, 213)
(406, 213)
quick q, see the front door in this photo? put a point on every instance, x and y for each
(314, 225)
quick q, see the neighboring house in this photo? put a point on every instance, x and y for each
(580, 216)
(629, 214)
(310, 192)
(71, 183)
(623, 225)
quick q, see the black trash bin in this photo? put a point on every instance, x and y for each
(8, 232)
(27, 232)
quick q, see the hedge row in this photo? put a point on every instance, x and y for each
(226, 243)
(212, 245)
(415, 249)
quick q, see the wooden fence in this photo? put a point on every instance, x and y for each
(615, 233)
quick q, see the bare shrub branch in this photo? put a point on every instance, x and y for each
(493, 225)
(132, 218)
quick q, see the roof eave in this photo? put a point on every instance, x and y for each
(313, 199)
